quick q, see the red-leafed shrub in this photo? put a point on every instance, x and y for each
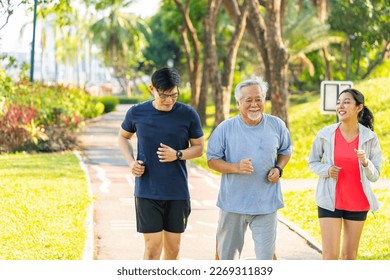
(39, 117)
(14, 123)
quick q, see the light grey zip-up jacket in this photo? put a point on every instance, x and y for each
(322, 158)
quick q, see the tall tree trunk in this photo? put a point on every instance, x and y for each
(210, 61)
(194, 64)
(358, 60)
(221, 98)
(258, 31)
(348, 58)
(230, 62)
(222, 84)
(90, 59)
(266, 35)
(204, 88)
(55, 55)
(328, 70)
(78, 65)
(322, 11)
(279, 56)
(211, 72)
(87, 62)
(43, 49)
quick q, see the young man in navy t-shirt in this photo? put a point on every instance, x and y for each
(168, 133)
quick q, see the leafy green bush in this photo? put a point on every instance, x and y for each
(109, 103)
(131, 100)
(6, 84)
(39, 117)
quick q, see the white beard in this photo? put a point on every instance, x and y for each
(254, 116)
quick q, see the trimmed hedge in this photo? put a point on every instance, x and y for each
(109, 103)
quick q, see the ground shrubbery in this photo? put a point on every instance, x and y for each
(38, 117)
(109, 103)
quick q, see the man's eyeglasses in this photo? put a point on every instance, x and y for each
(166, 96)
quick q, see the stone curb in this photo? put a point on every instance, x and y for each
(88, 252)
(309, 239)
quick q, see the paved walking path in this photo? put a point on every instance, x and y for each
(114, 232)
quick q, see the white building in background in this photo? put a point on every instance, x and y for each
(47, 69)
(15, 41)
(98, 76)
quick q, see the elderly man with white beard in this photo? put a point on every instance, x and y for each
(250, 150)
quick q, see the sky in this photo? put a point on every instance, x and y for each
(11, 40)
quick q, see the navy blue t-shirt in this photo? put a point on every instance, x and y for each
(162, 180)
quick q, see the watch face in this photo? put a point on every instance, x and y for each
(179, 154)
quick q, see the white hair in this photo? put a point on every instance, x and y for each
(258, 81)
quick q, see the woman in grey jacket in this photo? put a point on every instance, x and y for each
(347, 158)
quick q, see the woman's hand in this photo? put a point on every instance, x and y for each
(361, 154)
(334, 171)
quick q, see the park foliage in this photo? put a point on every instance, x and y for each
(40, 117)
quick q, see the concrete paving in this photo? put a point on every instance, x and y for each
(113, 225)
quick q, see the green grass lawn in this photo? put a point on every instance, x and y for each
(44, 202)
(301, 209)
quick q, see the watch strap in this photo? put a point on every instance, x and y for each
(280, 170)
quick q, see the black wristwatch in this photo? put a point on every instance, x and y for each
(280, 170)
(179, 155)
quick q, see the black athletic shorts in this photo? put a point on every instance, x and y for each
(158, 215)
(347, 215)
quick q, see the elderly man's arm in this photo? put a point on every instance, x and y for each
(244, 166)
(282, 160)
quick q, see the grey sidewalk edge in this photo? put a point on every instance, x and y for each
(88, 251)
(309, 239)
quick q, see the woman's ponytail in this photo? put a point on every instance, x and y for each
(366, 118)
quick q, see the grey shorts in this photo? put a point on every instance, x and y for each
(231, 234)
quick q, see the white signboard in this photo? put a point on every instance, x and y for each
(330, 91)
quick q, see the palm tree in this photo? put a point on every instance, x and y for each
(120, 36)
(42, 15)
(306, 34)
(67, 32)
